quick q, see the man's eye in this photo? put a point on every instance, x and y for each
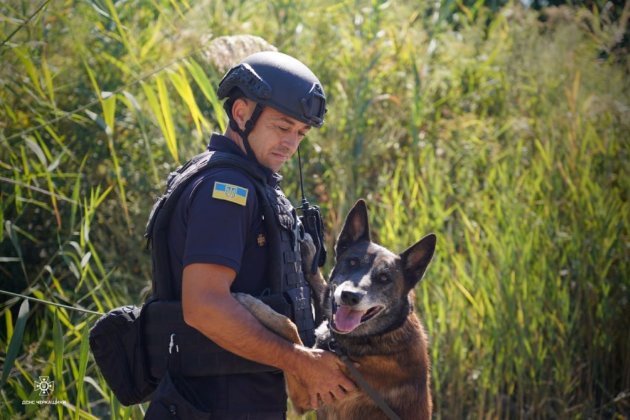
(281, 128)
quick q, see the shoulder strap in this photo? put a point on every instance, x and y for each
(160, 216)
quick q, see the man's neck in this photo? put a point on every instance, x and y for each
(236, 138)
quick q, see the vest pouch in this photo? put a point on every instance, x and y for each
(300, 298)
(283, 209)
(200, 356)
(116, 343)
(169, 403)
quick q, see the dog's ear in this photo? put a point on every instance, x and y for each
(416, 259)
(355, 228)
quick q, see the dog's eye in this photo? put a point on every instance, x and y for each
(353, 262)
(383, 278)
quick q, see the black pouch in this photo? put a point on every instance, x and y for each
(116, 343)
(167, 402)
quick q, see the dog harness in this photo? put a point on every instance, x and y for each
(378, 399)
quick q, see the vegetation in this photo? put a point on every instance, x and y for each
(505, 134)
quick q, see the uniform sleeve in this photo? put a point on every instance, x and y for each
(218, 218)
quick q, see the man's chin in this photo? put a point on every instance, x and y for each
(275, 164)
(273, 167)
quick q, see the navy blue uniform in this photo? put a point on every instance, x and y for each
(215, 230)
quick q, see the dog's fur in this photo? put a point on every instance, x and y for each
(368, 305)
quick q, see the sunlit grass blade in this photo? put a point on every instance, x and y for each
(48, 80)
(167, 116)
(208, 91)
(153, 38)
(15, 343)
(111, 8)
(179, 80)
(58, 347)
(30, 68)
(164, 121)
(83, 361)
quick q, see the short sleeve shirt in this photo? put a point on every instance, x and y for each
(211, 227)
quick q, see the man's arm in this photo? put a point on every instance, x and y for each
(209, 306)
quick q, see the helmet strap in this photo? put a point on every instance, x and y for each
(249, 126)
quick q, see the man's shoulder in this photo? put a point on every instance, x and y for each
(224, 184)
(231, 175)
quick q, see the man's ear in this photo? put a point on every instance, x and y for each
(241, 111)
(355, 228)
(416, 259)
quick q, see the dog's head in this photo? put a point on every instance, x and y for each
(370, 285)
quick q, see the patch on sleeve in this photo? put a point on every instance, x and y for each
(229, 192)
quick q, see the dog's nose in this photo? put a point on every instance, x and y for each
(351, 298)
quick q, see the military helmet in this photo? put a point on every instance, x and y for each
(275, 79)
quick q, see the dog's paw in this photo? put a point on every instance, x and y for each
(322, 333)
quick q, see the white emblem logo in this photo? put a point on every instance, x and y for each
(44, 385)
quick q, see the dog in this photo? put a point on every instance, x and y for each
(368, 307)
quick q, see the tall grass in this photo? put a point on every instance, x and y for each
(505, 136)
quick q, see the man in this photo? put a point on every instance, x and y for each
(220, 241)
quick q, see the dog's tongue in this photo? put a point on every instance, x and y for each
(346, 319)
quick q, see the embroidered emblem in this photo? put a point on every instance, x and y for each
(261, 240)
(229, 192)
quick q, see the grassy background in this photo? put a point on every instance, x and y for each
(505, 131)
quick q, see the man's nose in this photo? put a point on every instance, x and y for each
(292, 141)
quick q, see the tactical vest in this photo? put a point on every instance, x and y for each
(290, 293)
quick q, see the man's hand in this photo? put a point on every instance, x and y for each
(319, 373)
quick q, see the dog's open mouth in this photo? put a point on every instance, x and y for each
(346, 319)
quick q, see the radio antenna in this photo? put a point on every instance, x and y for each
(313, 225)
(304, 202)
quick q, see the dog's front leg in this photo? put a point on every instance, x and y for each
(271, 319)
(284, 327)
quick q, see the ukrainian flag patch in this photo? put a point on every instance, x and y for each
(229, 192)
